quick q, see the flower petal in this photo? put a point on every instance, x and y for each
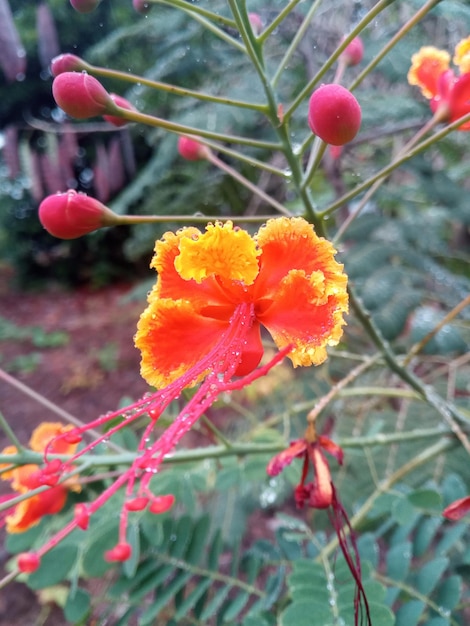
(305, 315)
(28, 512)
(43, 435)
(457, 509)
(291, 243)
(296, 449)
(223, 251)
(173, 337)
(462, 55)
(459, 100)
(426, 67)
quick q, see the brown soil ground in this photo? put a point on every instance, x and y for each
(87, 376)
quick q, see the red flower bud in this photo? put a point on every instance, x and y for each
(81, 95)
(137, 504)
(120, 552)
(72, 436)
(70, 215)
(84, 6)
(192, 150)
(334, 114)
(28, 562)
(256, 23)
(121, 102)
(67, 63)
(81, 516)
(353, 53)
(162, 504)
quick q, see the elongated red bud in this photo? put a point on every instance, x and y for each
(67, 63)
(334, 114)
(28, 562)
(162, 504)
(81, 95)
(191, 150)
(123, 103)
(81, 516)
(120, 552)
(137, 504)
(84, 6)
(353, 53)
(70, 215)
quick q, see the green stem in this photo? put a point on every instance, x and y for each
(295, 42)
(206, 19)
(190, 219)
(424, 145)
(424, 457)
(261, 165)
(449, 413)
(173, 89)
(371, 15)
(394, 40)
(278, 20)
(37, 397)
(316, 155)
(5, 426)
(236, 449)
(158, 122)
(436, 119)
(247, 183)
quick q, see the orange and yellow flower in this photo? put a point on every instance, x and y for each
(29, 512)
(448, 93)
(288, 273)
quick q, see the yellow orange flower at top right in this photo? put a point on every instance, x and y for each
(449, 93)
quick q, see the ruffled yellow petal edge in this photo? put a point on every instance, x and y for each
(225, 251)
(426, 66)
(462, 55)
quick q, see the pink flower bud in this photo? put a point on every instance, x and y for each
(81, 95)
(192, 150)
(141, 6)
(84, 6)
(67, 63)
(121, 552)
(162, 504)
(120, 102)
(28, 562)
(334, 114)
(70, 215)
(256, 23)
(354, 52)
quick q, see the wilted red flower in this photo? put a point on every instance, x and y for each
(71, 214)
(320, 493)
(81, 95)
(334, 114)
(286, 272)
(448, 93)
